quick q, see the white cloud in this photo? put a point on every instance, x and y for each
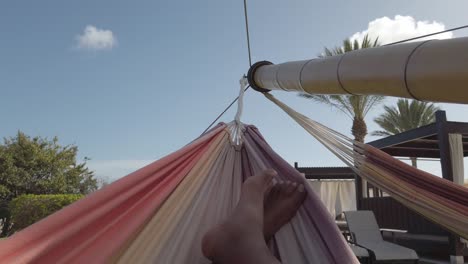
(94, 38)
(401, 27)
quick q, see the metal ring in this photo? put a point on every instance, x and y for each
(251, 73)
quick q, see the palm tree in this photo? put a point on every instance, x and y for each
(406, 115)
(354, 106)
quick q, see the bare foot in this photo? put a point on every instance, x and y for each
(240, 238)
(281, 204)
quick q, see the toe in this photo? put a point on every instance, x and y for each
(261, 181)
(290, 188)
(277, 187)
(274, 191)
(301, 193)
(301, 188)
(267, 176)
(270, 188)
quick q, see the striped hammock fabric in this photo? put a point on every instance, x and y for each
(159, 213)
(438, 199)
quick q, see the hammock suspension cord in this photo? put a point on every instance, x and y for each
(427, 35)
(247, 32)
(250, 65)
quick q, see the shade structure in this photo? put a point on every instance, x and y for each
(159, 213)
(433, 70)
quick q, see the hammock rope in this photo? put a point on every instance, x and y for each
(439, 200)
(236, 131)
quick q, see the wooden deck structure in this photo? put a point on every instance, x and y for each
(326, 173)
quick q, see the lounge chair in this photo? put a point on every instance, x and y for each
(366, 233)
(361, 254)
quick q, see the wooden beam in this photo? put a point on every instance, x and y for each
(397, 152)
(417, 144)
(414, 148)
(422, 144)
(410, 135)
(327, 173)
(444, 145)
(447, 169)
(331, 177)
(457, 128)
(325, 170)
(359, 196)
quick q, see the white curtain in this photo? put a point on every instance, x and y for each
(316, 186)
(347, 197)
(456, 151)
(338, 196)
(329, 195)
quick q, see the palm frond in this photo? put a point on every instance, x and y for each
(331, 100)
(347, 46)
(380, 133)
(328, 52)
(376, 42)
(356, 45)
(406, 115)
(373, 100)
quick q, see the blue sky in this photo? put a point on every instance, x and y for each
(170, 67)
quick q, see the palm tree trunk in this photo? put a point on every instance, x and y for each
(359, 129)
(414, 162)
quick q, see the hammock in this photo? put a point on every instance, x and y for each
(159, 213)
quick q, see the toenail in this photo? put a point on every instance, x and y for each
(271, 172)
(294, 184)
(301, 188)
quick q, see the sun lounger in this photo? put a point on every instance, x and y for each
(366, 233)
(362, 254)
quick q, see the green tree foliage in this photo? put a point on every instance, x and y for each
(354, 106)
(406, 115)
(39, 166)
(27, 209)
